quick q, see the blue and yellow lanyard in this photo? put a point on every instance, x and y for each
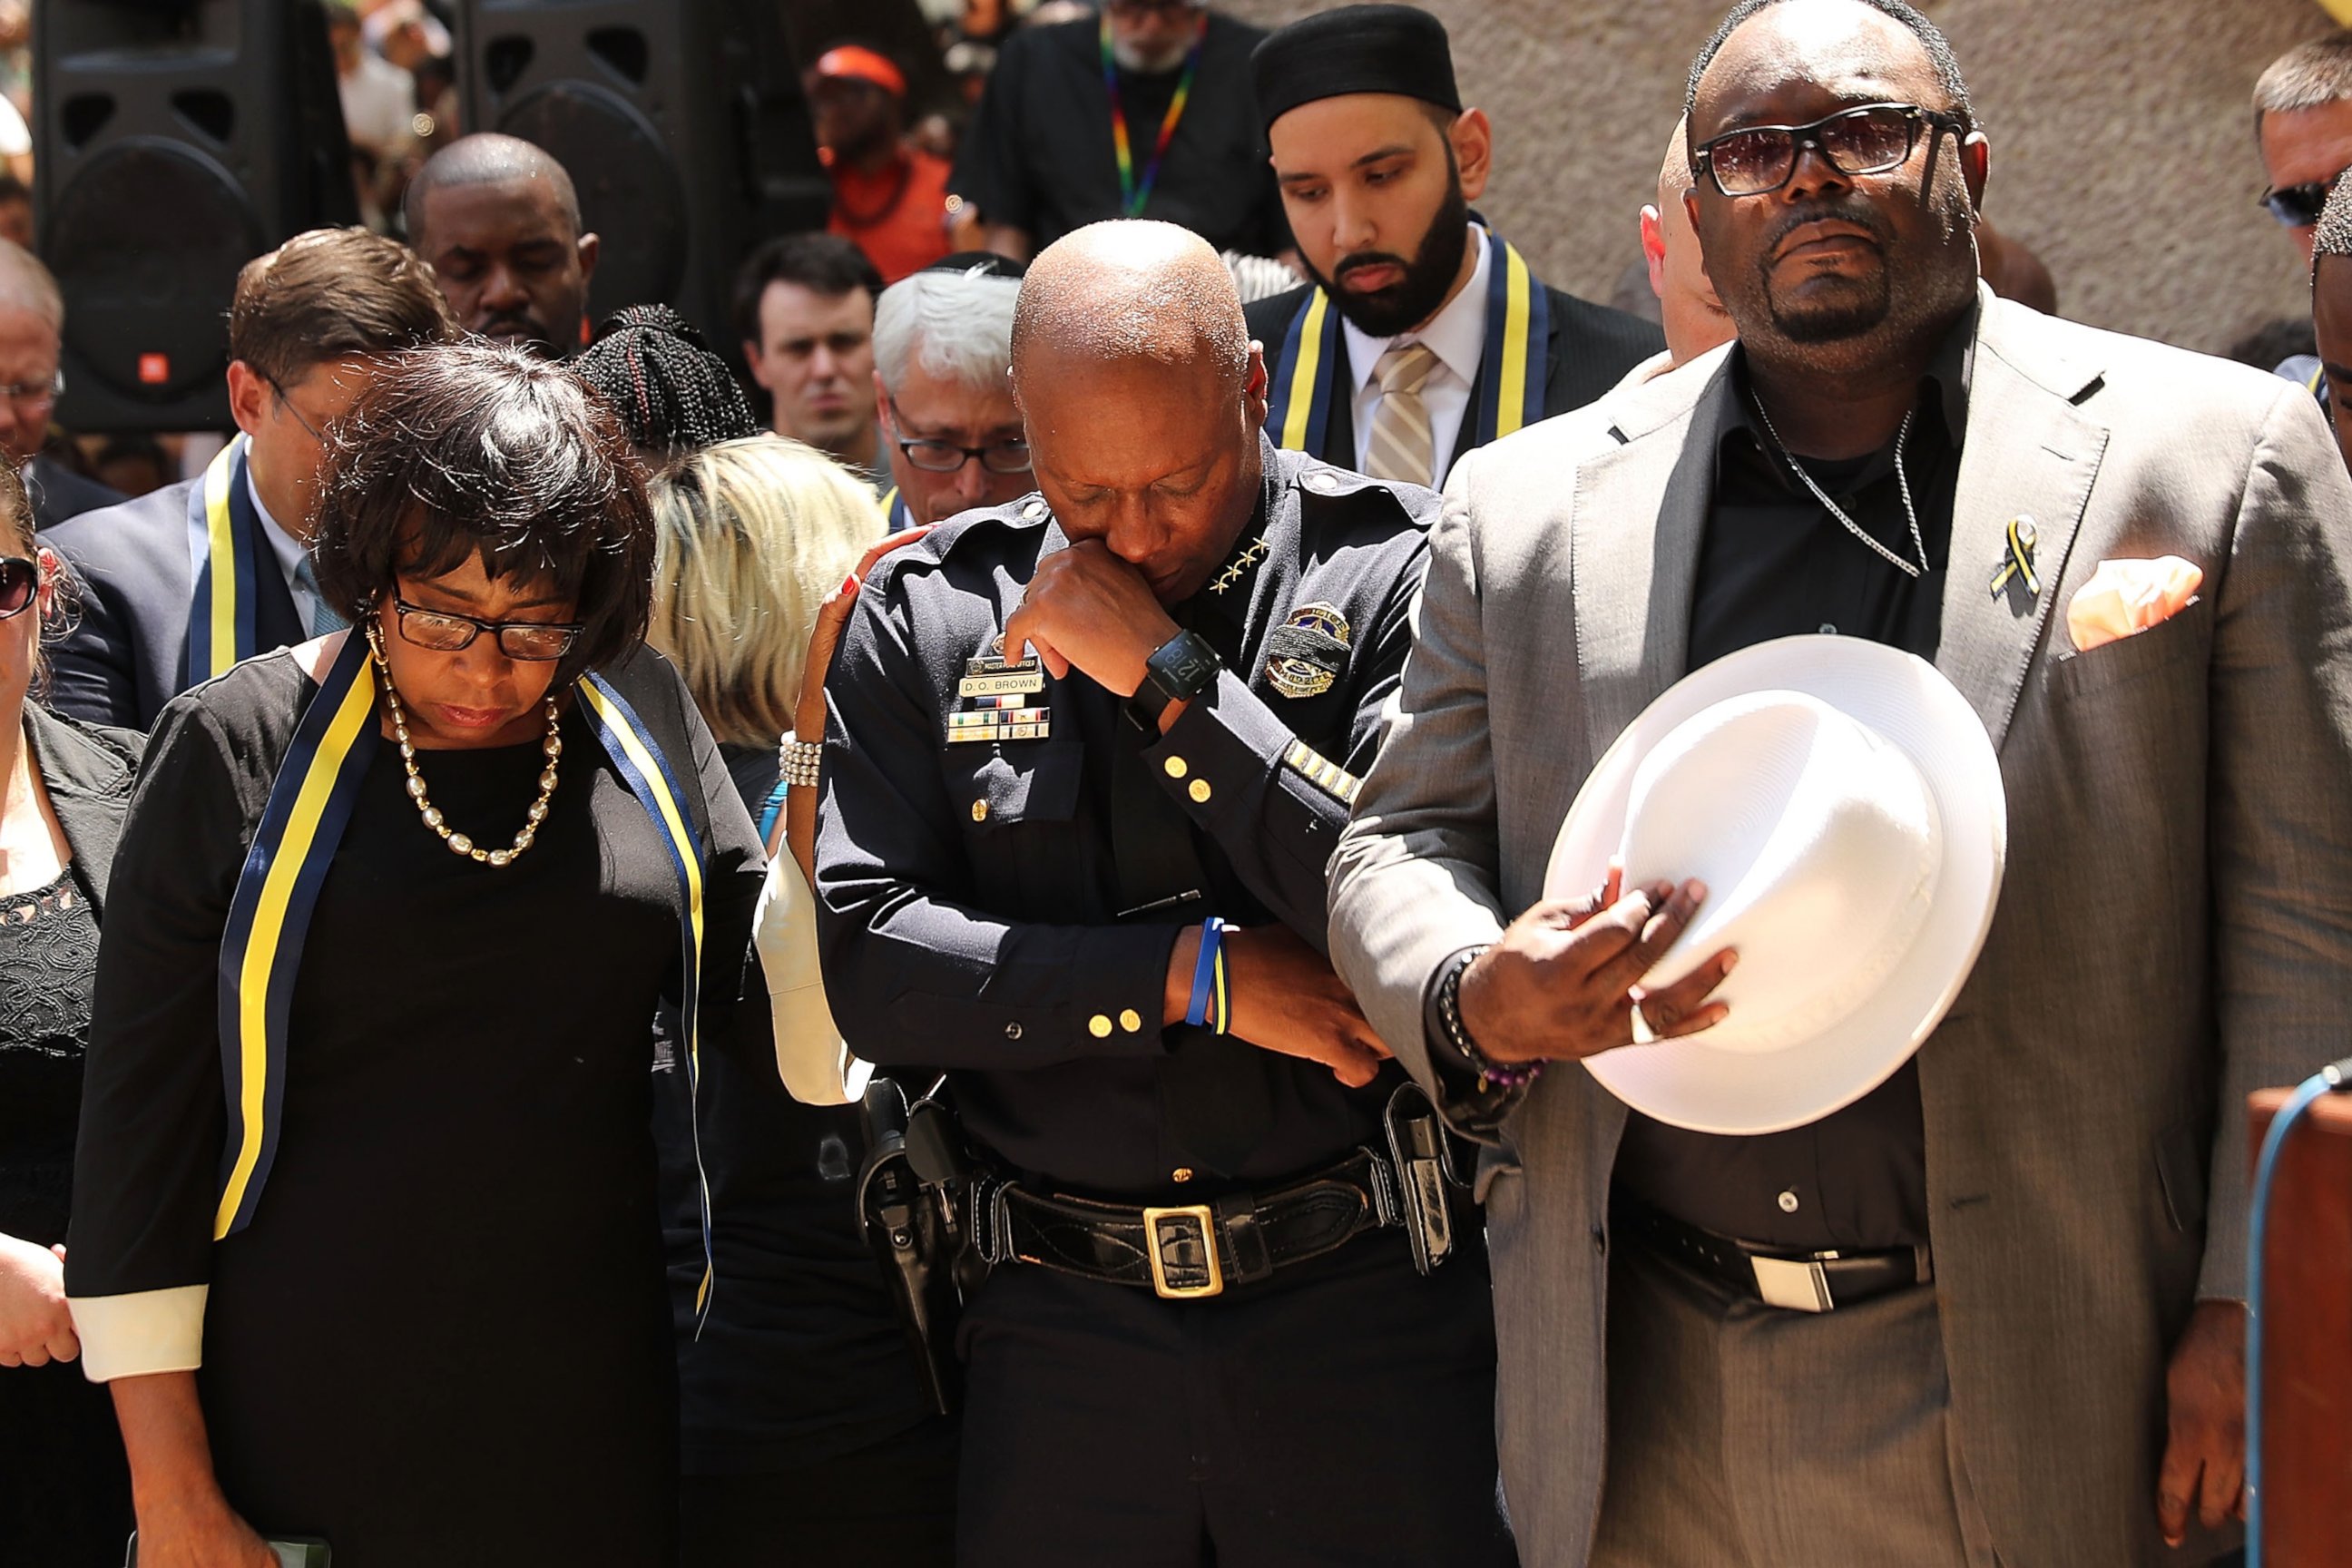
(894, 507)
(269, 915)
(1510, 369)
(220, 617)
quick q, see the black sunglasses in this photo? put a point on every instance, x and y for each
(20, 581)
(446, 631)
(1756, 159)
(2298, 206)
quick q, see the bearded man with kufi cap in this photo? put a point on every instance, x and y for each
(1424, 334)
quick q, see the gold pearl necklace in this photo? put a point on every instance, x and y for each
(459, 843)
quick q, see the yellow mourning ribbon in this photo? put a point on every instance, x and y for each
(2019, 563)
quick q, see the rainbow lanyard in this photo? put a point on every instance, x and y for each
(1131, 194)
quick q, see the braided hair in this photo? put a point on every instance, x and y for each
(672, 395)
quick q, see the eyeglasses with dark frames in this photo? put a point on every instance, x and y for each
(446, 631)
(946, 457)
(2298, 206)
(1868, 138)
(20, 583)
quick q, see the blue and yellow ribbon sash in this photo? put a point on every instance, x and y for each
(631, 746)
(269, 918)
(220, 617)
(1511, 368)
(310, 805)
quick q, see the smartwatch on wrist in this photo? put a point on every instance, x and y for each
(1178, 670)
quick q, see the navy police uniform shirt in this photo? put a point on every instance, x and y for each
(1003, 908)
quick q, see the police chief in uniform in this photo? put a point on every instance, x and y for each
(1206, 1336)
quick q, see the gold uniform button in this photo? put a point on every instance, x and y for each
(1200, 791)
(1181, 1173)
(1131, 1020)
(1175, 766)
(979, 811)
(1099, 1026)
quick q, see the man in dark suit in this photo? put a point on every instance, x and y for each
(178, 585)
(58, 492)
(1424, 335)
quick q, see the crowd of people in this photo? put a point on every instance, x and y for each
(952, 920)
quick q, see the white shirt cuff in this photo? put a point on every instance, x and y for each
(141, 1331)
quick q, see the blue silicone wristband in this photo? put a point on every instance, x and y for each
(1204, 972)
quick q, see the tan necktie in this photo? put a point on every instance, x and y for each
(1402, 445)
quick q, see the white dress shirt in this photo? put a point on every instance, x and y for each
(1457, 336)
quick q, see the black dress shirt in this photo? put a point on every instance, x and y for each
(1004, 911)
(1774, 562)
(1039, 156)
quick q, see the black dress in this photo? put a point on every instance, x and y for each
(64, 1497)
(443, 1338)
(799, 1396)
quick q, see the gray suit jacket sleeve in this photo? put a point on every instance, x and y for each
(1412, 882)
(2280, 824)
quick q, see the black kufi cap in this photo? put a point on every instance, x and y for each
(1395, 49)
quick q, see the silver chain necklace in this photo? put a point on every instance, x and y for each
(1902, 480)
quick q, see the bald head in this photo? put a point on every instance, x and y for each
(1142, 398)
(488, 159)
(1130, 291)
(1674, 175)
(500, 221)
(1687, 306)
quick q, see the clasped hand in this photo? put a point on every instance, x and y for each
(1564, 980)
(1086, 609)
(36, 1328)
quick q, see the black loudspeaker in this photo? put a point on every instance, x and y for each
(176, 140)
(680, 122)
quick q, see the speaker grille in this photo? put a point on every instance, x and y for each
(146, 227)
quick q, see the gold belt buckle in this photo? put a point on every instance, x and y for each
(1179, 1231)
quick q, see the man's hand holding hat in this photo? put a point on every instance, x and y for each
(1561, 983)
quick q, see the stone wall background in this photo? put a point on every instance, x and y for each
(2122, 140)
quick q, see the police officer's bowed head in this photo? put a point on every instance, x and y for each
(1088, 756)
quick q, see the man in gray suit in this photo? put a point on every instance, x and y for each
(2057, 1182)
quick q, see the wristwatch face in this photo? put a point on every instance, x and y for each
(1184, 667)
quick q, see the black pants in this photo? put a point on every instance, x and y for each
(1341, 1412)
(890, 1506)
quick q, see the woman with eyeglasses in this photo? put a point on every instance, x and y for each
(368, 1243)
(64, 1497)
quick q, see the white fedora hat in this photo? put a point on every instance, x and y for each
(1843, 803)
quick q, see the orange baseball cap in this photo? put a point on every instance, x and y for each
(853, 62)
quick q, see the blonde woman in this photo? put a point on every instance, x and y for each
(753, 535)
(799, 1400)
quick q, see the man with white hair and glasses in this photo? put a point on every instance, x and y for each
(32, 326)
(943, 393)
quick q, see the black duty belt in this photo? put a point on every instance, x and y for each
(1800, 1281)
(1195, 1250)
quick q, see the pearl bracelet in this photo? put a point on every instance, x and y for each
(798, 760)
